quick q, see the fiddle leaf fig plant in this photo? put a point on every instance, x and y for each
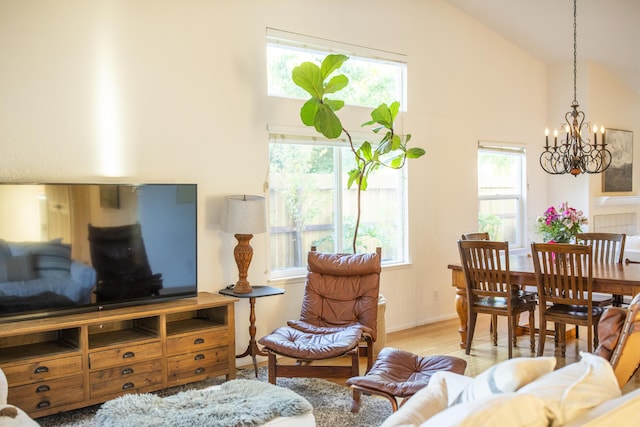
(319, 111)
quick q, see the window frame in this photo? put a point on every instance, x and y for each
(512, 149)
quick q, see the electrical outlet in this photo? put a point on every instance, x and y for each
(436, 296)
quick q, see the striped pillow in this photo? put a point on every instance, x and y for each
(50, 259)
(17, 269)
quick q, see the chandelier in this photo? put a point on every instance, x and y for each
(574, 153)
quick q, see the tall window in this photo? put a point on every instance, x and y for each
(310, 204)
(501, 184)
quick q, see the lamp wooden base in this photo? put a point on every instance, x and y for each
(243, 253)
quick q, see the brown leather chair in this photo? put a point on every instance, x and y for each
(339, 310)
(619, 336)
(490, 289)
(564, 274)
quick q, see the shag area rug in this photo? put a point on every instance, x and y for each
(235, 403)
(331, 403)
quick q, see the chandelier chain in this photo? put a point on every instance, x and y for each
(572, 151)
(575, 53)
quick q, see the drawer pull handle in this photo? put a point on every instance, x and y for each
(43, 388)
(200, 371)
(127, 386)
(127, 371)
(41, 370)
(43, 404)
(199, 357)
(199, 341)
(128, 354)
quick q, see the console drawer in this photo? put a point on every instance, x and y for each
(126, 384)
(125, 371)
(47, 394)
(195, 342)
(126, 355)
(198, 365)
(42, 370)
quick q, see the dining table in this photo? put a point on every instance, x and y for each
(608, 278)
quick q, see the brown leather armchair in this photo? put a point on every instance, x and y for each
(339, 311)
(619, 339)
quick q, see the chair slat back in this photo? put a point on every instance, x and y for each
(563, 273)
(607, 247)
(486, 267)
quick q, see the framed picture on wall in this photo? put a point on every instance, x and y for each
(619, 176)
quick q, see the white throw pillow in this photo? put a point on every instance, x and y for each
(575, 388)
(500, 410)
(612, 413)
(507, 376)
(427, 402)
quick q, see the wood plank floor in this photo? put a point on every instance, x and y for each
(442, 338)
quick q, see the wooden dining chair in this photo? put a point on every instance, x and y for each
(490, 289)
(564, 275)
(478, 235)
(607, 248)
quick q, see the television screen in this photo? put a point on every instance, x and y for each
(94, 246)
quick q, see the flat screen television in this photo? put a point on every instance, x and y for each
(83, 247)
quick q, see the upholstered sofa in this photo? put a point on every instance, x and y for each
(529, 391)
(40, 274)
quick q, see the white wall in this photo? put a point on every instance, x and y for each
(179, 88)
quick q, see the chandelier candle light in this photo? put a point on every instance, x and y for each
(575, 155)
(243, 216)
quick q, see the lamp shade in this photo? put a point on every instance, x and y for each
(244, 215)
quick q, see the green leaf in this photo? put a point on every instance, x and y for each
(354, 174)
(336, 83)
(365, 150)
(397, 162)
(331, 63)
(334, 104)
(363, 183)
(385, 146)
(396, 142)
(308, 76)
(382, 115)
(415, 152)
(327, 123)
(308, 111)
(393, 109)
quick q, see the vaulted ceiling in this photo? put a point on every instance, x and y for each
(608, 31)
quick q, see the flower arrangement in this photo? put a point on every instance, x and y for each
(561, 225)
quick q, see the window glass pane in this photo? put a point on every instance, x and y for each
(499, 218)
(500, 195)
(382, 207)
(371, 82)
(498, 173)
(305, 209)
(302, 202)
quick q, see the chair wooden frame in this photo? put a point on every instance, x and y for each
(564, 274)
(607, 248)
(490, 289)
(479, 235)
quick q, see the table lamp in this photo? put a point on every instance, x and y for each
(243, 216)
